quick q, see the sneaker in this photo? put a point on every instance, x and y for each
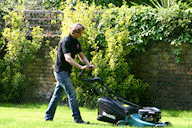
(49, 120)
(82, 122)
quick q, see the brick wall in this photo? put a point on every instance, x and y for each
(170, 83)
(43, 81)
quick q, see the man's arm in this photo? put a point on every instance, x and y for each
(71, 61)
(83, 59)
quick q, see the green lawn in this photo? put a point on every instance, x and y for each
(32, 116)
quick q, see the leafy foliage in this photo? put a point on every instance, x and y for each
(112, 63)
(171, 25)
(19, 56)
(2, 26)
(163, 3)
(9, 5)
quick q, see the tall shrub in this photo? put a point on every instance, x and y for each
(111, 61)
(19, 56)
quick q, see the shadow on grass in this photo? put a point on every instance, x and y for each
(26, 105)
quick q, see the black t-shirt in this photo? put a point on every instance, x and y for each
(66, 45)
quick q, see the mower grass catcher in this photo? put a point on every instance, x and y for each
(116, 110)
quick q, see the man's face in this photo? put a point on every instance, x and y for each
(78, 34)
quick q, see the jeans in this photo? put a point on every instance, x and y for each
(63, 84)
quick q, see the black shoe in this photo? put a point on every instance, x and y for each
(82, 122)
(49, 120)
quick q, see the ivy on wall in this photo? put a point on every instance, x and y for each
(171, 26)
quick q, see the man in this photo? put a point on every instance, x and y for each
(68, 47)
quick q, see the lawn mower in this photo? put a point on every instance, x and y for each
(114, 109)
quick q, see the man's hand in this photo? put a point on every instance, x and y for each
(92, 66)
(85, 67)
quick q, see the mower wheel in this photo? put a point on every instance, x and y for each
(121, 123)
(168, 123)
(164, 124)
(159, 125)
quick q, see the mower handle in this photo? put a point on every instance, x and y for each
(83, 71)
(89, 81)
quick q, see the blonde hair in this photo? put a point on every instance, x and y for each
(77, 27)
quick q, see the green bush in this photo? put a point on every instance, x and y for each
(111, 62)
(172, 26)
(2, 26)
(20, 54)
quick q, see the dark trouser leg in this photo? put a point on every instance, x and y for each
(64, 80)
(53, 103)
